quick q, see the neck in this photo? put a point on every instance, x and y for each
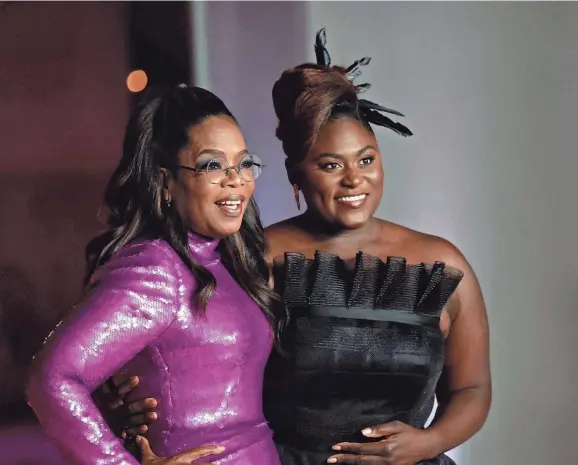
(324, 232)
(203, 247)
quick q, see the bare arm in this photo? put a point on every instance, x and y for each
(465, 391)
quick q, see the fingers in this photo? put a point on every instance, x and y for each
(380, 448)
(141, 406)
(358, 459)
(135, 431)
(126, 386)
(141, 419)
(138, 424)
(145, 448)
(386, 429)
(198, 452)
(105, 388)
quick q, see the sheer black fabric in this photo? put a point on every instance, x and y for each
(364, 348)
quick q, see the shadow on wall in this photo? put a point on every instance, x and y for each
(42, 239)
(63, 105)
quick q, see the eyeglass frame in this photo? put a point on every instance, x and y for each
(226, 170)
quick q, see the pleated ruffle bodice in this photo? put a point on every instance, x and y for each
(364, 348)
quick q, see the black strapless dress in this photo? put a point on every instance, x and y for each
(364, 348)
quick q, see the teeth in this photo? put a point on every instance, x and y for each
(229, 202)
(352, 198)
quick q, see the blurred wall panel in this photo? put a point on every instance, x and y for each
(63, 106)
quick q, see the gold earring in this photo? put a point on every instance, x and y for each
(296, 192)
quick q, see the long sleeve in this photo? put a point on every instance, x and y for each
(134, 299)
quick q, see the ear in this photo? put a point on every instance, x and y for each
(167, 182)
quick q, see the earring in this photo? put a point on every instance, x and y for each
(296, 192)
(169, 202)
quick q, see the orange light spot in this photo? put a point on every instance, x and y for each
(137, 80)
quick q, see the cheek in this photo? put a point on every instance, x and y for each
(196, 198)
(321, 186)
(249, 190)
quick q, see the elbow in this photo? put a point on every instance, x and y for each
(38, 384)
(476, 399)
(44, 384)
(480, 400)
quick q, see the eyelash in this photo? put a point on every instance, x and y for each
(328, 166)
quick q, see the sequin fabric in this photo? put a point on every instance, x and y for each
(206, 370)
(364, 347)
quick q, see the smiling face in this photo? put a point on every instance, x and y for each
(342, 176)
(211, 202)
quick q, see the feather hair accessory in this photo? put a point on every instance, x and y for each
(370, 111)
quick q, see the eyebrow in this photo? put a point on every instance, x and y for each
(339, 156)
(219, 153)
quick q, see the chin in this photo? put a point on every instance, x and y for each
(224, 230)
(353, 225)
(354, 221)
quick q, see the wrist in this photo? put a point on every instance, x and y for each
(432, 443)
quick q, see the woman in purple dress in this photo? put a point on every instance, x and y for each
(177, 294)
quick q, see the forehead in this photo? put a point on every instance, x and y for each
(217, 132)
(343, 136)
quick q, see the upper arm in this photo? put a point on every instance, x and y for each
(467, 345)
(131, 304)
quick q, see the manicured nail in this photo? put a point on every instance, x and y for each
(366, 431)
(134, 380)
(336, 447)
(331, 460)
(151, 402)
(219, 449)
(138, 439)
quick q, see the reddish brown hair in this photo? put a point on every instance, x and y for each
(305, 98)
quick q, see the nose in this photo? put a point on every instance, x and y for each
(232, 178)
(352, 178)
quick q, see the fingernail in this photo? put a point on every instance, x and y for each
(138, 439)
(331, 460)
(220, 449)
(152, 415)
(134, 379)
(151, 402)
(336, 447)
(366, 431)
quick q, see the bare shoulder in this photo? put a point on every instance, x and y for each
(419, 247)
(442, 250)
(284, 236)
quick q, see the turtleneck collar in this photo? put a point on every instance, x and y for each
(203, 247)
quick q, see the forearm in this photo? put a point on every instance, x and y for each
(70, 418)
(459, 419)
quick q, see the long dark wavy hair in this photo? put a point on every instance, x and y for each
(156, 132)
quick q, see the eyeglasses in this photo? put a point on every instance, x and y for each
(218, 169)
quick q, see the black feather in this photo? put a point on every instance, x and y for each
(374, 117)
(321, 53)
(374, 106)
(370, 111)
(354, 70)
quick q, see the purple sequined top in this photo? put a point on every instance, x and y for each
(206, 370)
